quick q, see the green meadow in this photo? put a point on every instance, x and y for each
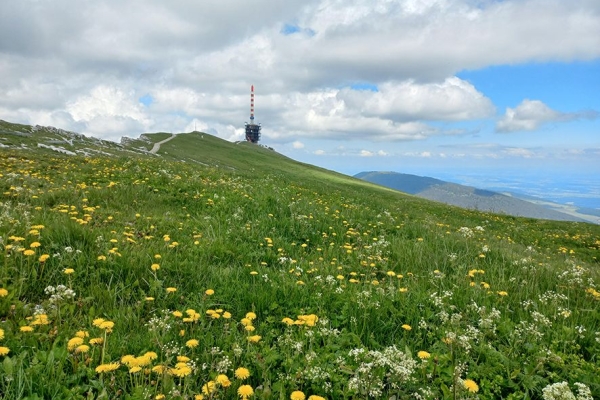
(216, 270)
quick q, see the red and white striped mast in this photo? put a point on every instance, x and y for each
(252, 104)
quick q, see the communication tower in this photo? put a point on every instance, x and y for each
(252, 129)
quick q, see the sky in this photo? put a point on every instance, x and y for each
(429, 87)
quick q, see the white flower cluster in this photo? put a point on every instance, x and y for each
(380, 369)
(58, 293)
(561, 391)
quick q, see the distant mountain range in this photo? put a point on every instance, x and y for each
(476, 199)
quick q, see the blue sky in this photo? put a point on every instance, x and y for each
(433, 87)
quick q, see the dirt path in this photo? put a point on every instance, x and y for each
(156, 146)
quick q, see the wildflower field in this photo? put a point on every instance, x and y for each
(225, 271)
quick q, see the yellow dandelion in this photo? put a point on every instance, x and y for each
(82, 348)
(246, 321)
(107, 326)
(101, 258)
(288, 321)
(423, 355)
(209, 387)
(502, 293)
(471, 386)
(223, 380)
(135, 369)
(149, 299)
(406, 327)
(245, 391)
(44, 257)
(73, 343)
(26, 329)
(251, 316)
(254, 339)
(1, 333)
(181, 371)
(159, 397)
(69, 271)
(159, 369)
(297, 395)
(315, 397)
(171, 290)
(29, 252)
(155, 267)
(242, 373)
(226, 315)
(192, 343)
(177, 314)
(198, 397)
(107, 367)
(209, 292)
(253, 273)
(403, 290)
(96, 341)
(4, 350)
(3, 292)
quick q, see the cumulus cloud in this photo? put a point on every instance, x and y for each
(531, 114)
(86, 64)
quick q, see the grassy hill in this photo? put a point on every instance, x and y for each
(218, 270)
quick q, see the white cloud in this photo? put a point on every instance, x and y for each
(319, 152)
(86, 64)
(531, 114)
(366, 153)
(298, 145)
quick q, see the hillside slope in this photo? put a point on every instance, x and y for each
(220, 270)
(463, 196)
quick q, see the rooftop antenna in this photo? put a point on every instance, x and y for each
(252, 129)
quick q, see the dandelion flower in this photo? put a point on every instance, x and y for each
(502, 293)
(44, 257)
(26, 329)
(223, 380)
(288, 321)
(149, 298)
(155, 267)
(96, 341)
(251, 316)
(135, 369)
(177, 314)
(29, 252)
(315, 397)
(254, 339)
(107, 367)
(242, 373)
(245, 391)
(159, 397)
(74, 342)
(403, 290)
(470, 385)
(297, 395)
(171, 290)
(4, 350)
(423, 355)
(226, 315)
(69, 271)
(209, 387)
(107, 326)
(1, 334)
(82, 348)
(249, 328)
(209, 292)
(199, 397)
(3, 292)
(181, 371)
(253, 273)
(192, 343)
(406, 327)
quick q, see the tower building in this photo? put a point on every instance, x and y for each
(252, 129)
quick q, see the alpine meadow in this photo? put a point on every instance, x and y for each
(219, 270)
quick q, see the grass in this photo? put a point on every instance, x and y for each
(216, 256)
